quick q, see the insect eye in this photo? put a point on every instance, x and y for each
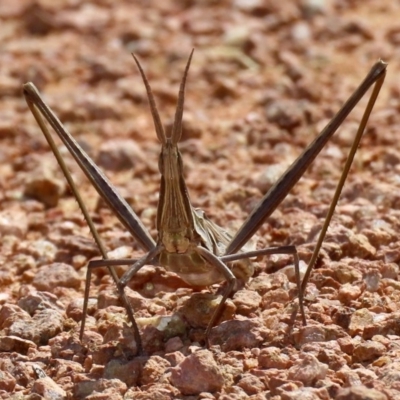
(160, 163)
(180, 164)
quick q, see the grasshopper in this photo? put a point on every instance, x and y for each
(188, 243)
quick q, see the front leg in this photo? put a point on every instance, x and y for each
(135, 266)
(214, 261)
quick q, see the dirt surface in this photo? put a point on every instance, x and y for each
(266, 77)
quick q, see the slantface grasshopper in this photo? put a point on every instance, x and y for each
(188, 243)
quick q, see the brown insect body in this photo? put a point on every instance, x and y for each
(181, 228)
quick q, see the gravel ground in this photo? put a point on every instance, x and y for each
(266, 77)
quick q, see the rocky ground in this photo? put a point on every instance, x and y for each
(266, 77)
